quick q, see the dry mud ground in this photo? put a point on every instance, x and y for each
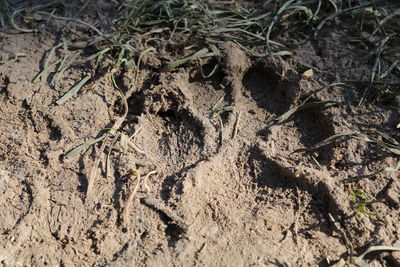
(218, 198)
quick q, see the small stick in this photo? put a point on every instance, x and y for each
(116, 126)
(135, 133)
(170, 213)
(135, 147)
(349, 245)
(236, 126)
(222, 128)
(130, 197)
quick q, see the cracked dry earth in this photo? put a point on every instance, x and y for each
(232, 187)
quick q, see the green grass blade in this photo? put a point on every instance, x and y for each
(84, 146)
(73, 91)
(292, 111)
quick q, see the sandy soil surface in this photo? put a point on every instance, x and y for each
(232, 185)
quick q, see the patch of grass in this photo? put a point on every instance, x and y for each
(190, 25)
(199, 26)
(28, 14)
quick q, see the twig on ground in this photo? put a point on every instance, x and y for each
(167, 211)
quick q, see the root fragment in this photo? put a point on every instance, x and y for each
(236, 126)
(145, 181)
(130, 197)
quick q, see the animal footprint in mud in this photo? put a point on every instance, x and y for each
(305, 129)
(284, 174)
(269, 89)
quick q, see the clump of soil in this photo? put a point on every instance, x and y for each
(232, 185)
